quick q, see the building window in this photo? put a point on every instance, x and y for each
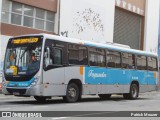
(28, 16)
(5, 11)
(24, 15)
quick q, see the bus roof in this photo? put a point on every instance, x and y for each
(94, 44)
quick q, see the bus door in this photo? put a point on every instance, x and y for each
(53, 74)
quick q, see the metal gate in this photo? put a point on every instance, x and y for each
(127, 28)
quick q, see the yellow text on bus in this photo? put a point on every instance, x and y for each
(24, 41)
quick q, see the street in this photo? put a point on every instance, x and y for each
(149, 101)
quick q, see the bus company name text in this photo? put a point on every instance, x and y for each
(96, 75)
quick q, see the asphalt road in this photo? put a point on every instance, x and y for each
(146, 102)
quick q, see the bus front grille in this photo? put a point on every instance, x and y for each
(16, 91)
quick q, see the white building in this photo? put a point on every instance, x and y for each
(130, 22)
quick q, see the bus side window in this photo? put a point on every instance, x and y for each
(113, 59)
(77, 55)
(83, 58)
(144, 63)
(141, 62)
(131, 60)
(93, 59)
(152, 64)
(125, 60)
(57, 56)
(155, 64)
(101, 57)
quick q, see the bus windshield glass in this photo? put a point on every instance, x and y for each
(23, 56)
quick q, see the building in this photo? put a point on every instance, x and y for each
(20, 17)
(159, 37)
(130, 22)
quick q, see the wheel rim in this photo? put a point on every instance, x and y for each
(72, 92)
(134, 92)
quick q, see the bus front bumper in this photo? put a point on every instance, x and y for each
(23, 91)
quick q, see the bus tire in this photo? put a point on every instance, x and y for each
(133, 94)
(40, 99)
(72, 93)
(104, 96)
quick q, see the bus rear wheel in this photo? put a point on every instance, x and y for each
(72, 93)
(104, 96)
(133, 94)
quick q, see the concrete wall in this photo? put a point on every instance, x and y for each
(50, 5)
(87, 19)
(151, 26)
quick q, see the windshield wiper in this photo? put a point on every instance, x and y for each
(24, 52)
(28, 48)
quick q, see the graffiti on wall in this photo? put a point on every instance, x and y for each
(64, 34)
(88, 19)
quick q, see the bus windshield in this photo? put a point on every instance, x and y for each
(23, 56)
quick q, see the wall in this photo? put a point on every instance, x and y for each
(135, 6)
(87, 19)
(50, 5)
(16, 30)
(151, 26)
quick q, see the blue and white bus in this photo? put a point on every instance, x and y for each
(70, 68)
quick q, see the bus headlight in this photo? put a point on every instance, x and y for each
(36, 79)
(4, 82)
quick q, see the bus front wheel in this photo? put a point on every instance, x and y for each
(133, 94)
(72, 93)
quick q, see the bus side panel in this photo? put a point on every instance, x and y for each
(105, 80)
(109, 80)
(141, 78)
(152, 80)
(73, 73)
(53, 82)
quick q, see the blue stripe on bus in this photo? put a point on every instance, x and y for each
(20, 83)
(111, 76)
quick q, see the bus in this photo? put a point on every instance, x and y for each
(44, 66)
